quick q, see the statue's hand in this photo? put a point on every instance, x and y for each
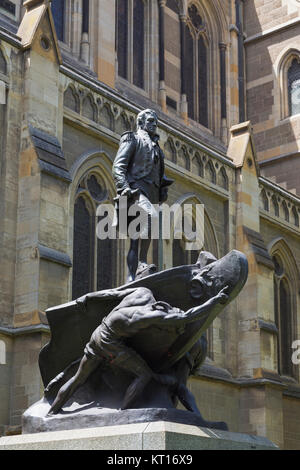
(222, 296)
(82, 301)
(128, 192)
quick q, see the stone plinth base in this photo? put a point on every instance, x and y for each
(36, 420)
(143, 436)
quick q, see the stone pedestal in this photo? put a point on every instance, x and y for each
(142, 436)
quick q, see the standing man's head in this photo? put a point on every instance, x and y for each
(147, 120)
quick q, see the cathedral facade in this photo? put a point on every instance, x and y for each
(224, 79)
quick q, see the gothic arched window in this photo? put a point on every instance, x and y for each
(195, 67)
(130, 25)
(294, 87)
(94, 260)
(58, 12)
(284, 318)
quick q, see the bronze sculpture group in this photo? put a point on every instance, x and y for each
(134, 347)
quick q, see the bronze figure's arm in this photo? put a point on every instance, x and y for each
(122, 162)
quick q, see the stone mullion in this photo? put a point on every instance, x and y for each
(76, 22)
(241, 60)
(222, 47)
(183, 101)
(85, 44)
(162, 86)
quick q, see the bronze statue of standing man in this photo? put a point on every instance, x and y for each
(139, 175)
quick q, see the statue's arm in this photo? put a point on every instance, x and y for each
(110, 294)
(122, 161)
(190, 315)
(195, 313)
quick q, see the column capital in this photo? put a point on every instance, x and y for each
(222, 46)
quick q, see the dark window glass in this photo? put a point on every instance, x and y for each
(138, 43)
(122, 37)
(202, 82)
(106, 263)
(195, 17)
(8, 6)
(294, 87)
(83, 242)
(194, 256)
(155, 252)
(172, 4)
(58, 12)
(285, 329)
(189, 72)
(179, 253)
(85, 15)
(96, 191)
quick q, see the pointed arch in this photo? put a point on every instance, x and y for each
(71, 99)
(183, 158)
(95, 261)
(106, 116)
(287, 74)
(274, 206)
(210, 237)
(122, 124)
(197, 165)
(210, 172)
(170, 150)
(285, 210)
(264, 201)
(88, 108)
(295, 216)
(223, 178)
(286, 301)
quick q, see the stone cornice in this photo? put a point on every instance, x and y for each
(41, 328)
(115, 97)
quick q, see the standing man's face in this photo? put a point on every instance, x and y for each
(150, 124)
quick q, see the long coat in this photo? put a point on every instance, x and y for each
(135, 159)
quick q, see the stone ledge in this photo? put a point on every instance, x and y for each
(142, 436)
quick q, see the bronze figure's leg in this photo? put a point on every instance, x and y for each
(86, 367)
(145, 243)
(132, 259)
(132, 362)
